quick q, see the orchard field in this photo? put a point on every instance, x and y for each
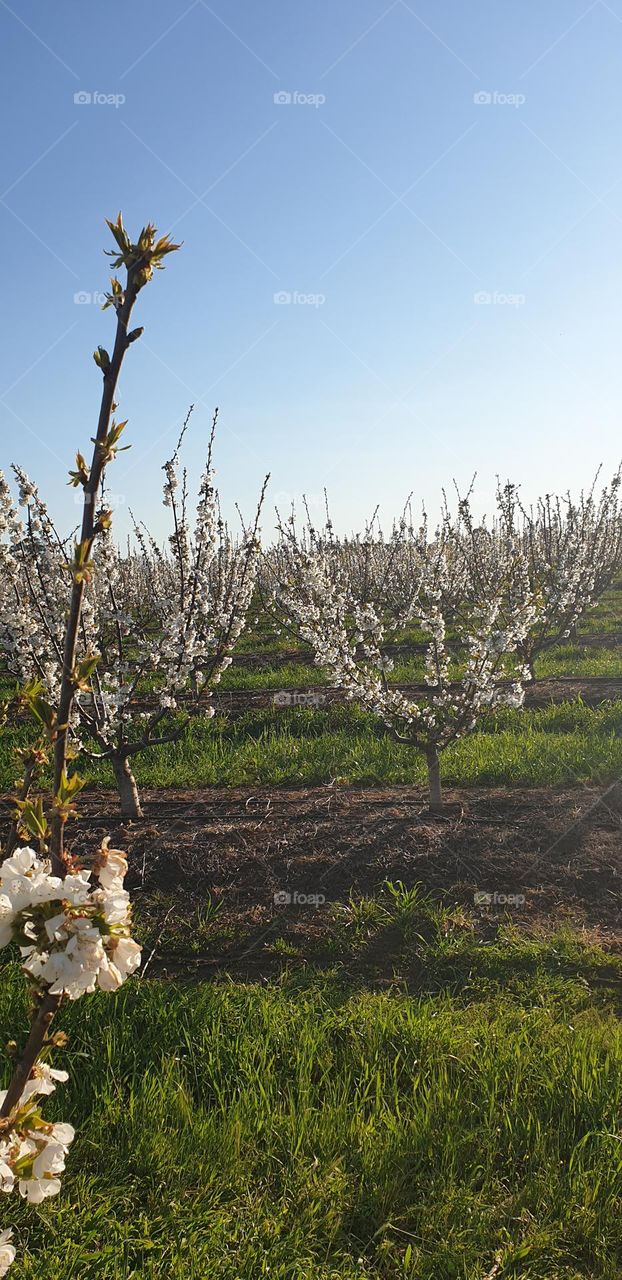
(318, 800)
(327, 830)
(413, 1067)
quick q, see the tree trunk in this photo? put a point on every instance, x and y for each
(126, 786)
(527, 659)
(434, 780)
(529, 663)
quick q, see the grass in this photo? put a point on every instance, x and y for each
(564, 660)
(307, 1129)
(556, 745)
(579, 660)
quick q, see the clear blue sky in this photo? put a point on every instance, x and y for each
(393, 203)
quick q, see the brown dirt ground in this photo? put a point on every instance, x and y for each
(560, 848)
(591, 689)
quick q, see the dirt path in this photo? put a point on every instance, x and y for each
(205, 866)
(591, 689)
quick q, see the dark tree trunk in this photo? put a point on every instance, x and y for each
(126, 786)
(434, 779)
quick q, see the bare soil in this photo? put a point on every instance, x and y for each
(593, 690)
(205, 866)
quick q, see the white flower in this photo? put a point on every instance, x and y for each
(123, 959)
(7, 1251)
(20, 863)
(76, 888)
(7, 1177)
(113, 869)
(42, 1081)
(25, 880)
(7, 920)
(115, 906)
(35, 1190)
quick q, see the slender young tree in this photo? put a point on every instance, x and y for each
(73, 935)
(350, 634)
(163, 635)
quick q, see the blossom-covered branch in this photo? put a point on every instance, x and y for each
(73, 933)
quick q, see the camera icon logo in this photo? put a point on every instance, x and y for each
(82, 98)
(282, 298)
(282, 898)
(282, 98)
(82, 296)
(482, 98)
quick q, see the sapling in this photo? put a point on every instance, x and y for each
(163, 636)
(72, 922)
(349, 635)
(573, 551)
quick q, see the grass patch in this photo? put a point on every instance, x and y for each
(556, 745)
(565, 660)
(306, 1130)
(579, 660)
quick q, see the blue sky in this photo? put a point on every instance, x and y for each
(450, 266)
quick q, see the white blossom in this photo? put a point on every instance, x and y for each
(74, 936)
(7, 1251)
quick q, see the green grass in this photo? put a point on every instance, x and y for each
(310, 1131)
(280, 757)
(579, 660)
(560, 744)
(565, 660)
(288, 676)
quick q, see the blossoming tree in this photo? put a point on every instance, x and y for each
(349, 631)
(71, 921)
(573, 551)
(162, 638)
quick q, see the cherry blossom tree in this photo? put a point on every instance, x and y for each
(573, 551)
(162, 636)
(349, 632)
(71, 921)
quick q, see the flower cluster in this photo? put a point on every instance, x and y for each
(73, 937)
(32, 1152)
